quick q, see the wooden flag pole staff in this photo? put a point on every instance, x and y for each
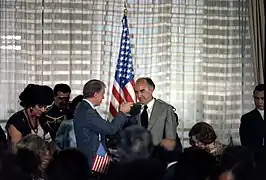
(125, 8)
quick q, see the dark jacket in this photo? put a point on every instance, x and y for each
(252, 130)
(65, 137)
(3, 141)
(88, 124)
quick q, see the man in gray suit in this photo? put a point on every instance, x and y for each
(155, 115)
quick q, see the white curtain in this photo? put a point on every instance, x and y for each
(196, 51)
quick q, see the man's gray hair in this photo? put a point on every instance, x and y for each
(91, 87)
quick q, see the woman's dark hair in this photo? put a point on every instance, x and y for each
(73, 105)
(203, 132)
(35, 94)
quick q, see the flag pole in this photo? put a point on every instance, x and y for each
(125, 8)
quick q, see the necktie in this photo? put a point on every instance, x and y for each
(144, 117)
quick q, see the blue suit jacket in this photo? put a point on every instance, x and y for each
(88, 124)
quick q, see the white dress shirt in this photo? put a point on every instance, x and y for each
(149, 109)
(261, 113)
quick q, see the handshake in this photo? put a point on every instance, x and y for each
(130, 108)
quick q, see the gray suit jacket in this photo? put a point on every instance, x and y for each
(162, 122)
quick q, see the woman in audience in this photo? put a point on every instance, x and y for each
(33, 155)
(202, 135)
(33, 99)
(65, 136)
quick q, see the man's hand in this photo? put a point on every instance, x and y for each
(168, 144)
(126, 106)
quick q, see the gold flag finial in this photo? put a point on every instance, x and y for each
(125, 7)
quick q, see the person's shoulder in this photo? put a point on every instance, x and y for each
(50, 112)
(83, 103)
(18, 120)
(49, 108)
(81, 111)
(18, 116)
(163, 104)
(250, 113)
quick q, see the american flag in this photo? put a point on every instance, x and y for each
(101, 161)
(123, 88)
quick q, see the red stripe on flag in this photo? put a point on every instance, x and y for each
(101, 164)
(113, 110)
(129, 97)
(116, 94)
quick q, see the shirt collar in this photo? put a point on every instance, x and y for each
(261, 113)
(93, 107)
(170, 164)
(150, 104)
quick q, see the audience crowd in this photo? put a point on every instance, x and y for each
(27, 154)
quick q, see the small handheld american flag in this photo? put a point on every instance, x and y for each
(101, 161)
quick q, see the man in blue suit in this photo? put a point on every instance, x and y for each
(89, 127)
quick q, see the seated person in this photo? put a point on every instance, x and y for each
(33, 99)
(202, 135)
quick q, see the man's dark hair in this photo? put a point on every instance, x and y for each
(68, 164)
(203, 133)
(259, 87)
(149, 81)
(64, 88)
(91, 87)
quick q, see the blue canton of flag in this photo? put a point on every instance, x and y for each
(123, 88)
(101, 151)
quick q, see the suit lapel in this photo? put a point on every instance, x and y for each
(257, 114)
(155, 114)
